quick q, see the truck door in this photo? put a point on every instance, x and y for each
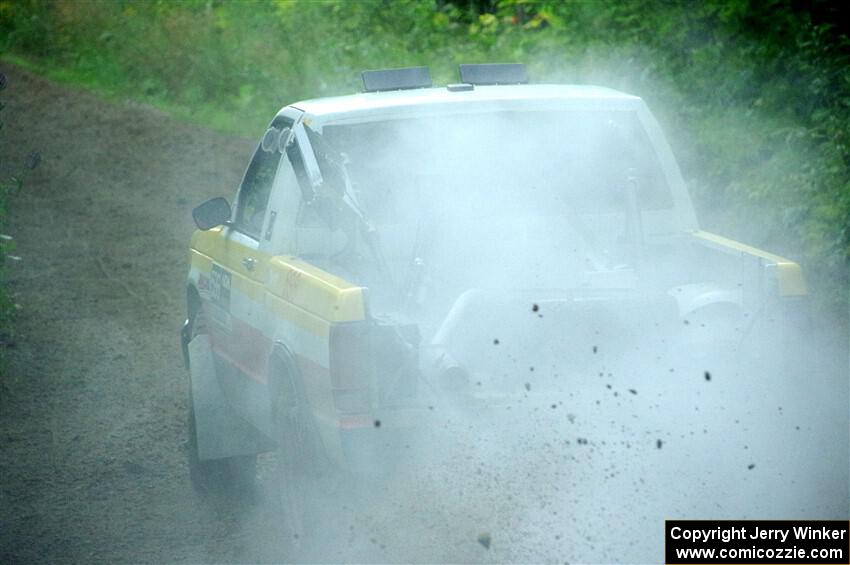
(238, 275)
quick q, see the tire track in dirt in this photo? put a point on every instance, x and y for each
(93, 399)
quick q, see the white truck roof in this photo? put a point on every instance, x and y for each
(358, 107)
(418, 102)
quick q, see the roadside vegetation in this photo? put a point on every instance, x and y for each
(755, 94)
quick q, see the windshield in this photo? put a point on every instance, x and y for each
(499, 164)
(521, 199)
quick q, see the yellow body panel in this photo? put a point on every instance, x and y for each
(296, 288)
(788, 273)
(316, 291)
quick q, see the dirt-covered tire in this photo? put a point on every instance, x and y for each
(301, 470)
(230, 475)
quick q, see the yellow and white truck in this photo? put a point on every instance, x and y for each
(411, 240)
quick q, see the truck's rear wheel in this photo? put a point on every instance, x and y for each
(300, 466)
(230, 475)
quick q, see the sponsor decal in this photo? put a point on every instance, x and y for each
(219, 293)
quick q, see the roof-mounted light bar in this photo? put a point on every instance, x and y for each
(396, 79)
(494, 73)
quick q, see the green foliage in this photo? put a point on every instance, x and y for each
(755, 94)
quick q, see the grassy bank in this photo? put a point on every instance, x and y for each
(755, 95)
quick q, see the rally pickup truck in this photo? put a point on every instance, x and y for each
(392, 246)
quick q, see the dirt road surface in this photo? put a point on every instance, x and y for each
(93, 403)
(93, 398)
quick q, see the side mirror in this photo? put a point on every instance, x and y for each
(212, 213)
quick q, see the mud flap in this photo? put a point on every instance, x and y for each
(220, 431)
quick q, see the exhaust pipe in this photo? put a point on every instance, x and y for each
(443, 369)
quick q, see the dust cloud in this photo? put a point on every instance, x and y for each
(587, 370)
